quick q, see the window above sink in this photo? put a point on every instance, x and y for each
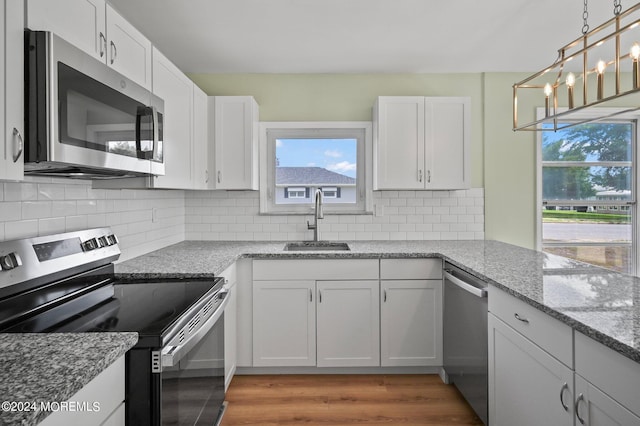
(301, 158)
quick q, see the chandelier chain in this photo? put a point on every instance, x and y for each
(585, 17)
(617, 7)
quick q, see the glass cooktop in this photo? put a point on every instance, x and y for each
(148, 308)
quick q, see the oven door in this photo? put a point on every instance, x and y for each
(193, 390)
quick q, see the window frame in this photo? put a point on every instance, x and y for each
(362, 130)
(634, 120)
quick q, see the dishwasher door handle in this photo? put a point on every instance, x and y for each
(478, 292)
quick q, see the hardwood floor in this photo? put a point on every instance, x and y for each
(345, 400)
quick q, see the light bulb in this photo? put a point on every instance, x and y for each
(571, 80)
(548, 90)
(635, 51)
(600, 67)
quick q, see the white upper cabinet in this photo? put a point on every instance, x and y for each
(128, 51)
(199, 163)
(399, 142)
(175, 88)
(235, 140)
(94, 27)
(80, 22)
(12, 90)
(421, 142)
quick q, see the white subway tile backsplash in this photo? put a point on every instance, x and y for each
(148, 220)
(21, 229)
(144, 220)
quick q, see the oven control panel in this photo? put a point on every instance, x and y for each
(22, 260)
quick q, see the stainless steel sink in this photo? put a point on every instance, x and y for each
(316, 246)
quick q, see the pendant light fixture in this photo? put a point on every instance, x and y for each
(597, 69)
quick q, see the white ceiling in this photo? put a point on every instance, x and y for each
(361, 36)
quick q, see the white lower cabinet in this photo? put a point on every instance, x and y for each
(596, 408)
(104, 395)
(284, 323)
(527, 386)
(411, 322)
(230, 325)
(348, 325)
(606, 385)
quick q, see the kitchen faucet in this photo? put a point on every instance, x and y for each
(318, 214)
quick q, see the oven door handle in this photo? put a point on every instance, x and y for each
(171, 355)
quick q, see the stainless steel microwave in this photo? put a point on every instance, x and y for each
(85, 120)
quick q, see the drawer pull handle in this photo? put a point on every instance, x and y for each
(577, 406)
(519, 318)
(562, 389)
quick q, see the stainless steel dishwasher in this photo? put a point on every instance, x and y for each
(465, 337)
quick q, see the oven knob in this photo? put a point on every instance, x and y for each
(10, 261)
(89, 245)
(102, 241)
(112, 239)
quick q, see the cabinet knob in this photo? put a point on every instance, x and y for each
(419, 175)
(219, 176)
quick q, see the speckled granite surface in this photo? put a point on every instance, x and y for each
(597, 302)
(53, 367)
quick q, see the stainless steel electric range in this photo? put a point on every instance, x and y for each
(66, 283)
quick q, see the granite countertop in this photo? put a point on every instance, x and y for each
(53, 367)
(594, 301)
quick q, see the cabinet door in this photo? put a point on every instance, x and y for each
(236, 142)
(527, 386)
(230, 335)
(596, 408)
(348, 323)
(447, 134)
(80, 22)
(128, 51)
(411, 322)
(199, 163)
(399, 145)
(12, 77)
(170, 84)
(284, 323)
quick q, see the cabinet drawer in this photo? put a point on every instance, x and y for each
(411, 269)
(316, 269)
(615, 374)
(545, 331)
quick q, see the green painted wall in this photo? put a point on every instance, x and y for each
(509, 164)
(503, 162)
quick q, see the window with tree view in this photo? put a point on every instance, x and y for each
(588, 193)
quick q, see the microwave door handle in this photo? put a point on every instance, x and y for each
(156, 132)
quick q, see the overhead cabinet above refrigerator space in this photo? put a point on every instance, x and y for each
(421, 143)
